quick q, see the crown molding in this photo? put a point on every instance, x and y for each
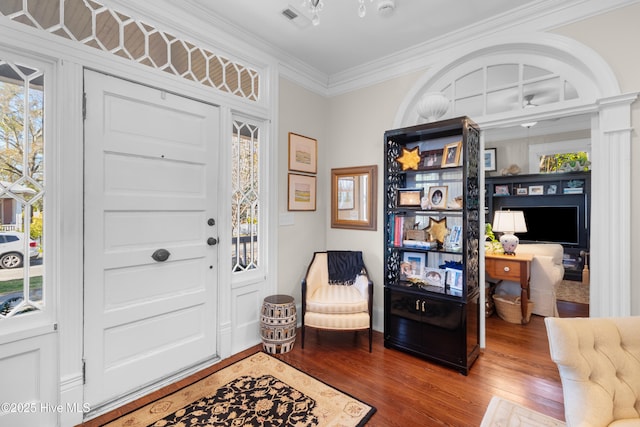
(544, 15)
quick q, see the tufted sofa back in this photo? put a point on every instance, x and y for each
(599, 364)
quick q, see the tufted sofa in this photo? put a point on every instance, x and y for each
(547, 272)
(599, 364)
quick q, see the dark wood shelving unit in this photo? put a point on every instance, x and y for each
(436, 322)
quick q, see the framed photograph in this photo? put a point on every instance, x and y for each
(438, 197)
(410, 197)
(346, 196)
(490, 160)
(454, 278)
(451, 154)
(521, 191)
(413, 264)
(431, 159)
(303, 153)
(302, 192)
(501, 190)
(434, 276)
(536, 190)
(552, 189)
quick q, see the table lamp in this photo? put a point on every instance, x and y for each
(509, 222)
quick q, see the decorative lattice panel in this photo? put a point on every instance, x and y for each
(93, 24)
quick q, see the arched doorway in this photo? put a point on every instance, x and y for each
(584, 84)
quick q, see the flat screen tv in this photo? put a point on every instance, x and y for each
(557, 224)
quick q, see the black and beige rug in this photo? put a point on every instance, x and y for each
(259, 390)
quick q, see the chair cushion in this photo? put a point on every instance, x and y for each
(337, 300)
(337, 321)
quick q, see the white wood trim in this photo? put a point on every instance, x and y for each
(611, 208)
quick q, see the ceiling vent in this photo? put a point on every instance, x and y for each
(295, 17)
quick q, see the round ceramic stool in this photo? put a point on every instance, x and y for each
(278, 324)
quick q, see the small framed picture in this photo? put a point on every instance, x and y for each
(490, 160)
(410, 197)
(438, 197)
(303, 153)
(434, 276)
(536, 190)
(451, 154)
(454, 278)
(413, 264)
(521, 191)
(302, 192)
(501, 190)
(431, 159)
(552, 189)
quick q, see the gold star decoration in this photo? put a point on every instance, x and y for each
(437, 229)
(410, 159)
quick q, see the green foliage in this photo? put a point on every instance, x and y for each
(564, 162)
(36, 228)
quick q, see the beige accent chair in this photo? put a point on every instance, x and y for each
(547, 272)
(335, 307)
(599, 364)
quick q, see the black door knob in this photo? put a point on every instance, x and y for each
(211, 221)
(212, 241)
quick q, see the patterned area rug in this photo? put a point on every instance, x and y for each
(571, 291)
(504, 413)
(259, 390)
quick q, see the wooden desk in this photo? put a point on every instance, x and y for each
(516, 268)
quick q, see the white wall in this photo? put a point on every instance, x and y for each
(357, 122)
(305, 113)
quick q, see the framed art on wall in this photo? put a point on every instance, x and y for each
(303, 153)
(490, 160)
(302, 192)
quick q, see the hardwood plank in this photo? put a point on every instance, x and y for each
(407, 390)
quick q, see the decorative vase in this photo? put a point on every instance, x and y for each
(432, 106)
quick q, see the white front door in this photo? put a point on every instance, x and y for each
(149, 188)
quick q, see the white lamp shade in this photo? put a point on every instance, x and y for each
(509, 222)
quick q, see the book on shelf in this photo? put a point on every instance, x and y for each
(419, 244)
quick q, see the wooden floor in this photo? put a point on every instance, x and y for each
(409, 391)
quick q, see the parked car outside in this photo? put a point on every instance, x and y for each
(11, 249)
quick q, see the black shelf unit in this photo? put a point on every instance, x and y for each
(437, 322)
(557, 211)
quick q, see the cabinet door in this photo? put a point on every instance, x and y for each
(435, 327)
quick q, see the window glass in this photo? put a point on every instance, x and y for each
(21, 188)
(245, 203)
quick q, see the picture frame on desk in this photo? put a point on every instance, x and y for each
(454, 278)
(416, 261)
(452, 154)
(501, 190)
(438, 196)
(431, 159)
(410, 197)
(434, 276)
(536, 190)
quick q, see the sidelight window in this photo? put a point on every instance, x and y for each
(245, 204)
(22, 191)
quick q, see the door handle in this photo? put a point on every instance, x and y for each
(211, 241)
(160, 255)
(211, 222)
